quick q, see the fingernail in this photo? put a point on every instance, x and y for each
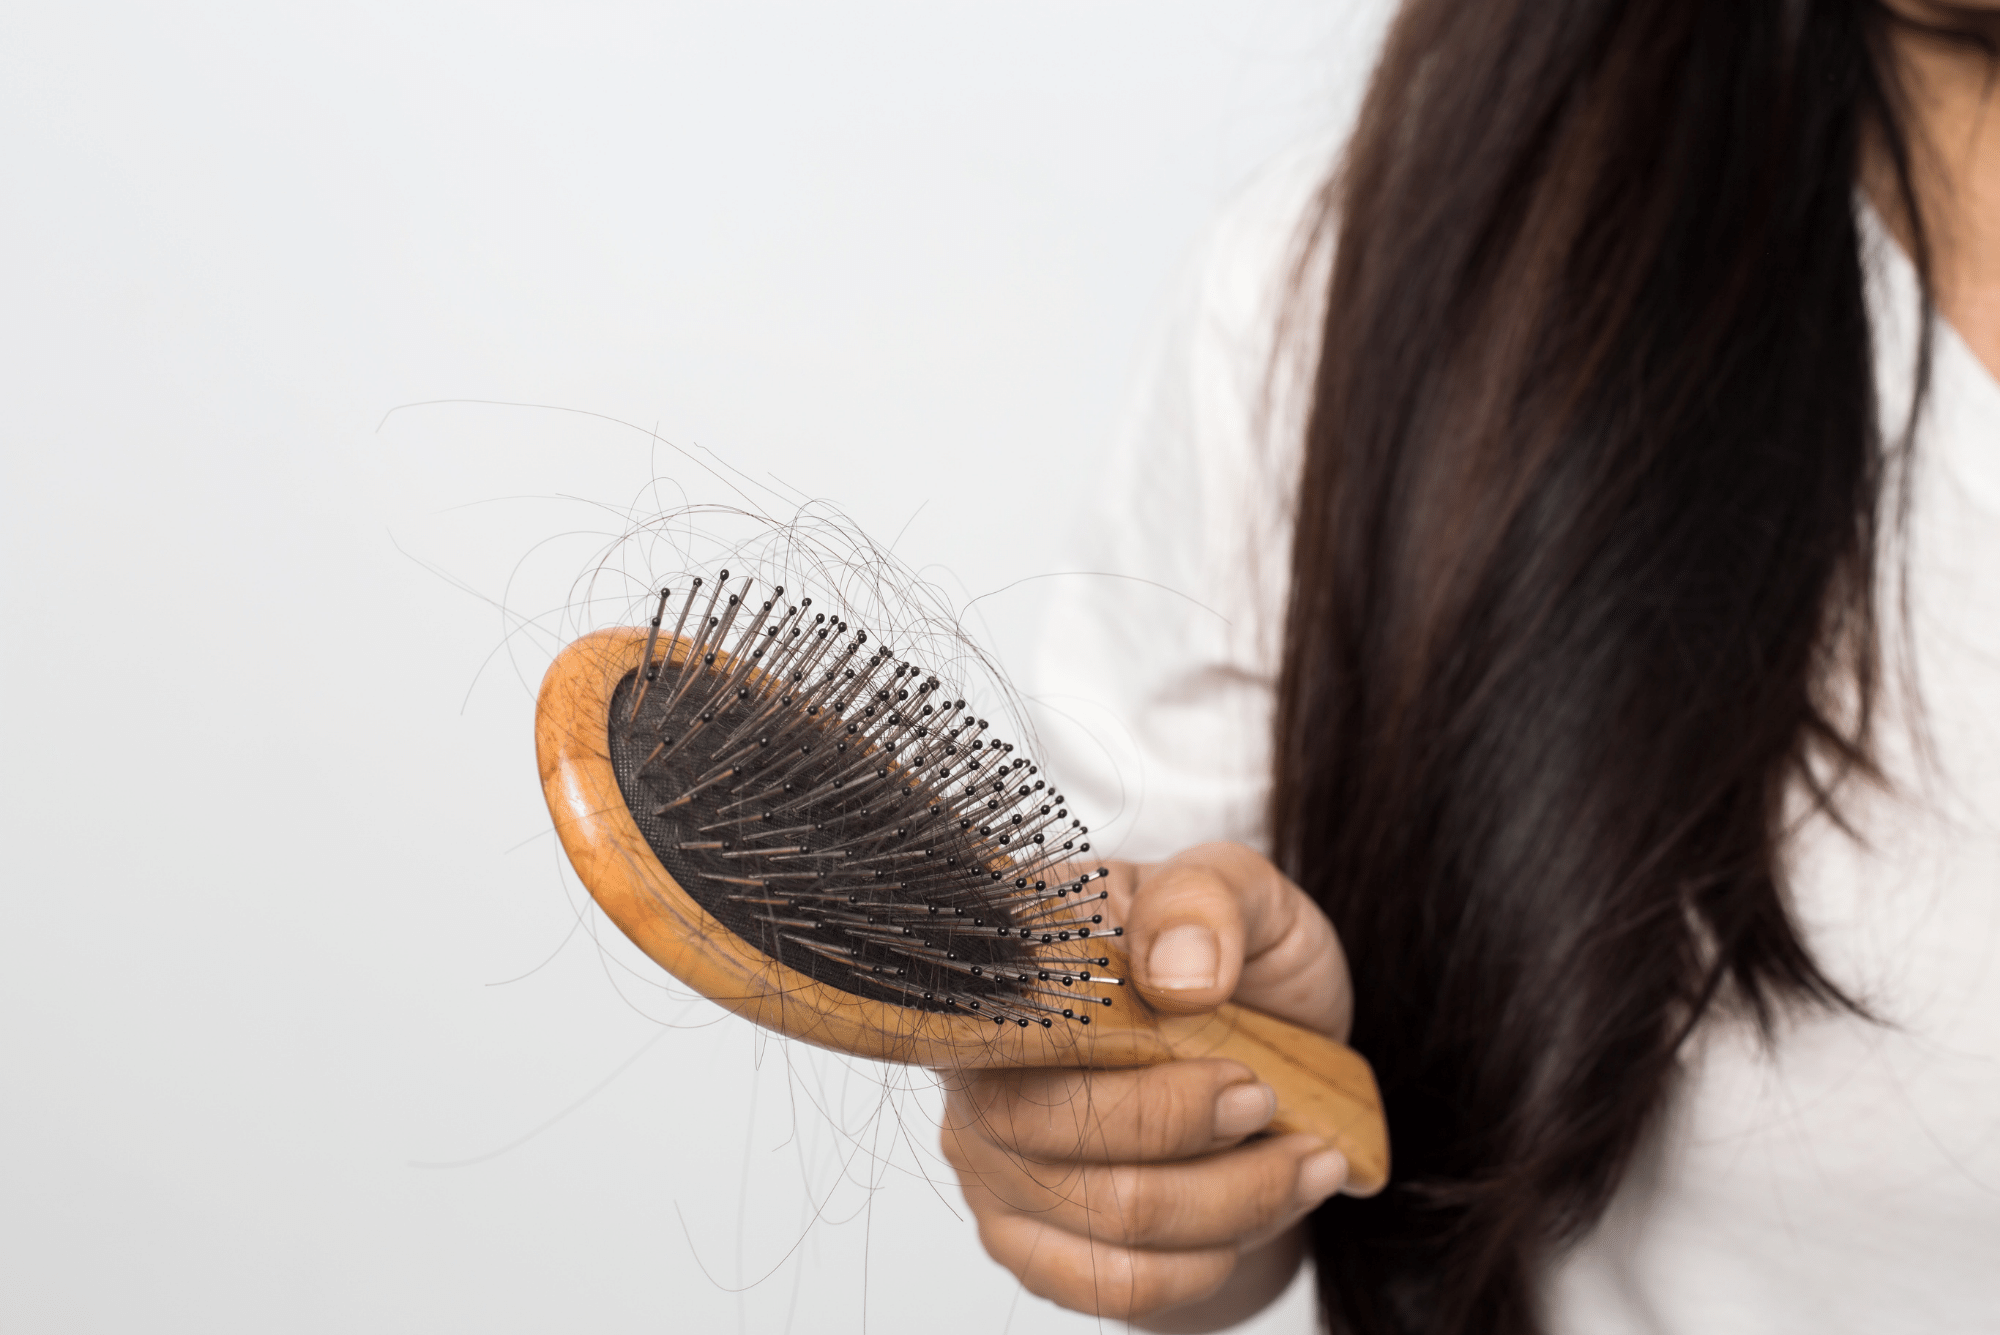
(1242, 1109)
(1320, 1176)
(1184, 959)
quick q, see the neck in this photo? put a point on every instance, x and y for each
(1952, 107)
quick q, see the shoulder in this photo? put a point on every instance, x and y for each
(1212, 434)
(1264, 244)
(1160, 652)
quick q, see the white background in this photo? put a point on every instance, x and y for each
(273, 842)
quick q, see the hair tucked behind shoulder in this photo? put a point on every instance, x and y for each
(1585, 547)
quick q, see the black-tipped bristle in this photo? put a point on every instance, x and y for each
(833, 806)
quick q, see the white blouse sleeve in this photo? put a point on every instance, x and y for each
(1153, 682)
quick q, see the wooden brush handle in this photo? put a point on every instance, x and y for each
(1324, 1088)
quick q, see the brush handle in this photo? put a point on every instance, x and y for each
(1324, 1088)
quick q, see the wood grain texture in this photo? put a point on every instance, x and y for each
(1324, 1087)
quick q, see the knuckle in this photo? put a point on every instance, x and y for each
(1073, 1117)
(1082, 1274)
(1014, 1247)
(1156, 1114)
(1183, 1278)
(1093, 1277)
(1139, 1205)
(986, 1207)
(1049, 1136)
(1043, 1114)
(1099, 1277)
(1188, 888)
(1177, 1116)
(1181, 1111)
(1158, 1280)
(967, 1098)
(1002, 1109)
(1209, 1202)
(952, 1144)
(1270, 1193)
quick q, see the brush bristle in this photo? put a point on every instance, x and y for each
(835, 808)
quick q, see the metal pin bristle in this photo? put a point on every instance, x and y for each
(847, 816)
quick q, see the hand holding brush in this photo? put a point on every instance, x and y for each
(1123, 1193)
(805, 826)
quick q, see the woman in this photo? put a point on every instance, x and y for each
(1606, 650)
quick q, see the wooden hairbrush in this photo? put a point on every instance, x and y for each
(812, 833)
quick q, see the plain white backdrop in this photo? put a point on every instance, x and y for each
(304, 1025)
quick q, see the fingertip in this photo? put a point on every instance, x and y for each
(1321, 1174)
(1244, 1109)
(1185, 958)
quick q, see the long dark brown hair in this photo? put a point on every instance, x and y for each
(1582, 588)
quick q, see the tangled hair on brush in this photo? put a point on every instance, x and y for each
(834, 806)
(1582, 588)
(810, 547)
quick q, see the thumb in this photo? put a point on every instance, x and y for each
(1219, 922)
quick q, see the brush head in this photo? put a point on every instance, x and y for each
(769, 784)
(840, 812)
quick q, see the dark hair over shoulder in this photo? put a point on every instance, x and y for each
(1585, 548)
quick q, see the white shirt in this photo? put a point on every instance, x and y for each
(1848, 1179)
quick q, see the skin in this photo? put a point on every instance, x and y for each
(1955, 127)
(1147, 1195)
